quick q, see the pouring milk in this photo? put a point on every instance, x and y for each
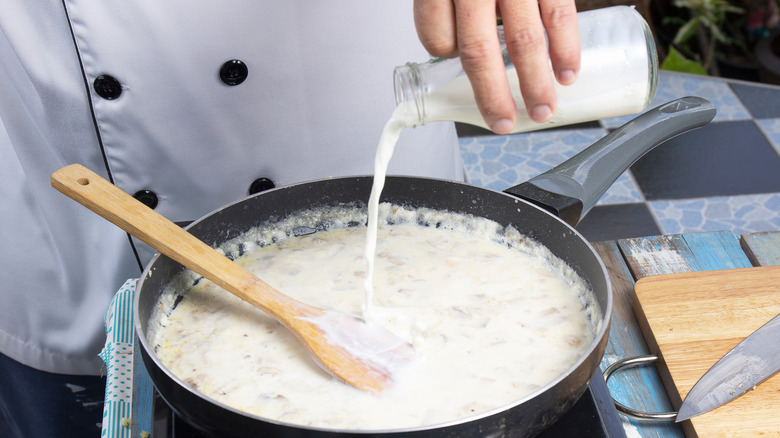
(618, 76)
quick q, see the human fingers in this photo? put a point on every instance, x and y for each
(434, 21)
(480, 55)
(527, 47)
(560, 21)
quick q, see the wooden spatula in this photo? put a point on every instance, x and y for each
(361, 353)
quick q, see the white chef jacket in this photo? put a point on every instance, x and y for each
(132, 90)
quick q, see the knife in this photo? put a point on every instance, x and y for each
(752, 361)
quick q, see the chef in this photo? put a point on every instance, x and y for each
(189, 106)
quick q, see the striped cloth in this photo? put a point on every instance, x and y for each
(118, 358)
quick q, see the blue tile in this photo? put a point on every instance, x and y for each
(771, 129)
(511, 159)
(738, 214)
(762, 101)
(720, 159)
(725, 176)
(673, 85)
(614, 222)
(490, 152)
(470, 158)
(521, 157)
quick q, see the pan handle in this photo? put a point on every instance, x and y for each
(572, 188)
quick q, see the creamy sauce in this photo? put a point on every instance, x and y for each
(492, 315)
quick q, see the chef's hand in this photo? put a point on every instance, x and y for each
(467, 28)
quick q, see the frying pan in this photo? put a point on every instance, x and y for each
(546, 208)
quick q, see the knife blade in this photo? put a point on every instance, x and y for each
(752, 361)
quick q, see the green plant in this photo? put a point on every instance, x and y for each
(675, 61)
(707, 29)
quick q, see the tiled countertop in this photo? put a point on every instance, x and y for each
(724, 176)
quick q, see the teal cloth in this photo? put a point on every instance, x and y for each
(118, 358)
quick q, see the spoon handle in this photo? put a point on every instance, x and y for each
(364, 364)
(94, 192)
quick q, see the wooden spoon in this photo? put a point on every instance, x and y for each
(361, 353)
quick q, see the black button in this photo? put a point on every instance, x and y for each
(107, 87)
(233, 72)
(147, 197)
(261, 185)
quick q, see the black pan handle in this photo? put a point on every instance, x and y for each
(572, 188)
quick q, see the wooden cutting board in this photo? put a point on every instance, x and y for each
(691, 320)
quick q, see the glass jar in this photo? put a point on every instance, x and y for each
(618, 76)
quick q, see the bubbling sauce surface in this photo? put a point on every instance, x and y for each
(492, 315)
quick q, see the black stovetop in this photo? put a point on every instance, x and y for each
(593, 416)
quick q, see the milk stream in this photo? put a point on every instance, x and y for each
(384, 153)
